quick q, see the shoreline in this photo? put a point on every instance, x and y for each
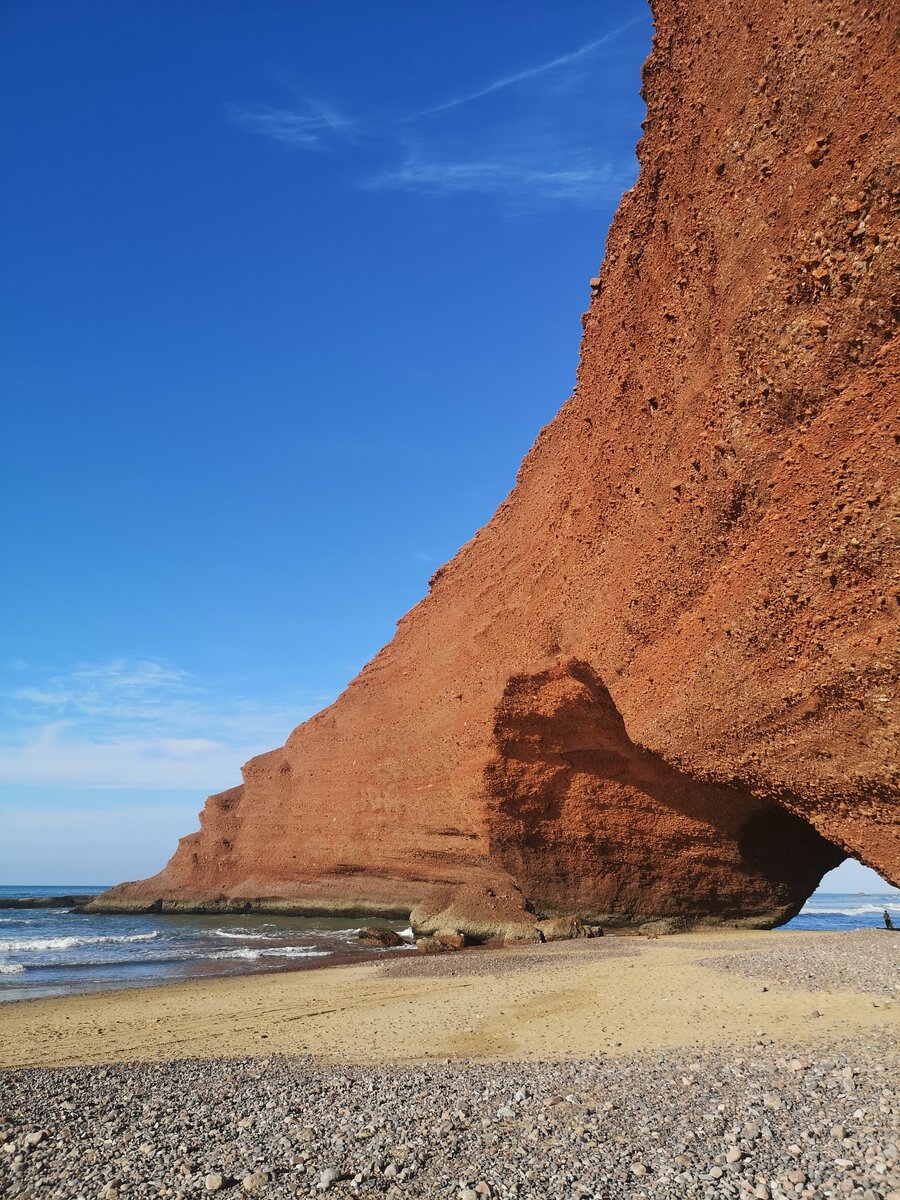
(334, 960)
(551, 1001)
(313, 905)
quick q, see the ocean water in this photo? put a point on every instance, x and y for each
(55, 951)
(847, 910)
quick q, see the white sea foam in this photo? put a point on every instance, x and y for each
(849, 910)
(244, 935)
(276, 952)
(296, 952)
(11, 969)
(244, 952)
(67, 943)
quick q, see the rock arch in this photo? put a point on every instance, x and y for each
(707, 523)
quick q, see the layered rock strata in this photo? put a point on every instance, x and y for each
(661, 680)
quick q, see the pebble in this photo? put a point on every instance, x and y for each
(864, 961)
(624, 1128)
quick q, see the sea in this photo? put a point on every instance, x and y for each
(60, 951)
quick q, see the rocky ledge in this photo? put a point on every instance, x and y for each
(80, 901)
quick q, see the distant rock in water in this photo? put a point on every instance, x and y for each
(79, 901)
(374, 935)
(660, 683)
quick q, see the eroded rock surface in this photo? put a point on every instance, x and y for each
(661, 680)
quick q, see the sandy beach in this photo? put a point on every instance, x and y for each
(704, 1065)
(563, 999)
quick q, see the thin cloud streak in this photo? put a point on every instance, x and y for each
(530, 72)
(581, 183)
(561, 171)
(298, 129)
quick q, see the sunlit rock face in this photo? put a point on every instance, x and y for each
(661, 680)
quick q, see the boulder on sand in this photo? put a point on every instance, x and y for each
(479, 913)
(560, 929)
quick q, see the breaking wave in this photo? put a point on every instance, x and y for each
(67, 943)
(240, 934)
(276, 952)
(851, 910)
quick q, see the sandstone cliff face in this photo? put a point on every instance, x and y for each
(661, 680)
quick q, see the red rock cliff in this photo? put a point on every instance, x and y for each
(661, 679)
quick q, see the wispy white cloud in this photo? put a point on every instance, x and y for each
(125, 688)
(505, 81)
(548, 155)
(142, 724)
(578, 181)
(304, 129)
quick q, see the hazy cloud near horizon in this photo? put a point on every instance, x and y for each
(136, 724)
(91, 845)
(104, 766)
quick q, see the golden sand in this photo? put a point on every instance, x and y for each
(560, 1000)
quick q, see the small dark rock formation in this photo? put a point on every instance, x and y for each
(374, 935)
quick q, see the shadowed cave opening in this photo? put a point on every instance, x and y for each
(587, 821)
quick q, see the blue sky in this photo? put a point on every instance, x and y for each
(288, 291)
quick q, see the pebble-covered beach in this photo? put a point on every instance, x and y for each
(865, 961)
(768, 1122)
(797, 1094)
